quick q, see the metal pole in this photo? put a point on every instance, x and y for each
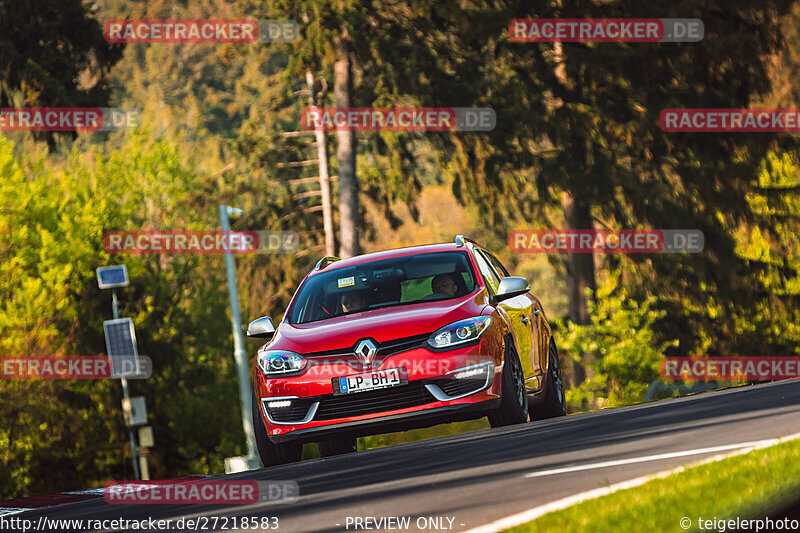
(134, 451)
(239, 353)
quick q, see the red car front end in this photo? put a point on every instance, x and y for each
(413, 383)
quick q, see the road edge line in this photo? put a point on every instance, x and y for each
(541, 510)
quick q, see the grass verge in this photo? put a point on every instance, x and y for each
(747, 486)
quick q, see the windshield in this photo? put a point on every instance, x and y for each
(390, 282)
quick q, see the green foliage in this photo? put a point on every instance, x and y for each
(582, 118)
(622, 340)
(48, 248)
(54, 54)
(54, 222)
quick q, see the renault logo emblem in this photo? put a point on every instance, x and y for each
(365, 351)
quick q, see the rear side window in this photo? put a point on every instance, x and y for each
(498, 266)
(489, 275)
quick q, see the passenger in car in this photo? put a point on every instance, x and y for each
(444, 284)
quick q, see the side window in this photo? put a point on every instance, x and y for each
(498, 266)
(492, 280)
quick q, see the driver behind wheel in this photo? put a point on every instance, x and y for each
(444, 284)
(353, 301)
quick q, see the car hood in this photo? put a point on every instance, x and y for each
(379, 324)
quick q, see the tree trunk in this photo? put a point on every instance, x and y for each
(346, 152)
(324, 179)
(577, 215)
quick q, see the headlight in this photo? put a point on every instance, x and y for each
(460, 332)
(277, 362)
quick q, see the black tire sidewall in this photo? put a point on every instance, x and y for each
(510, 411)
(272, 454)
(559, 407)
(262, 442)
(551, 407)
(524, 408)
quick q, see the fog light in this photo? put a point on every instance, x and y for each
(284, 403)
(470, 373)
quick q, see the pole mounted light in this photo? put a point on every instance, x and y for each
(239, 353)
(113, 277)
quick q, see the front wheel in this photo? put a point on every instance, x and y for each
(272, 454)
(555, 403)
(514, 398)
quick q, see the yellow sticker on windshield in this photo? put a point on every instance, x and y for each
(347, 282)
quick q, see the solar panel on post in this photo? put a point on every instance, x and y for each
(109, 277)
(121, 347)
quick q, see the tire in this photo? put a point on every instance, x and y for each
(554, 403)
(514, 398)
(273, 454)
(340, 446)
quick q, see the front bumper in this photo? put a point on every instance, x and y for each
(442, 387)
(430, 416)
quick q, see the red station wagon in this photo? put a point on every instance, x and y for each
(400, 339)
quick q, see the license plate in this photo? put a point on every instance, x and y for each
(375, 379)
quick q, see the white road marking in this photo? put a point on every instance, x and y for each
(537, 512)
(5, 511)
(644, 459)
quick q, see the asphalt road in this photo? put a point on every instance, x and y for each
(472, 479)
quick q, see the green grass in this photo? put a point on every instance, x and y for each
(747, 486)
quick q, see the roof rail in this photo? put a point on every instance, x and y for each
(325, 261)
(460, 240)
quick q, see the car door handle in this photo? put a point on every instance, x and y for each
(525, 320)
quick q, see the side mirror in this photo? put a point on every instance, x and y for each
(261, 327)
(510, 287)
